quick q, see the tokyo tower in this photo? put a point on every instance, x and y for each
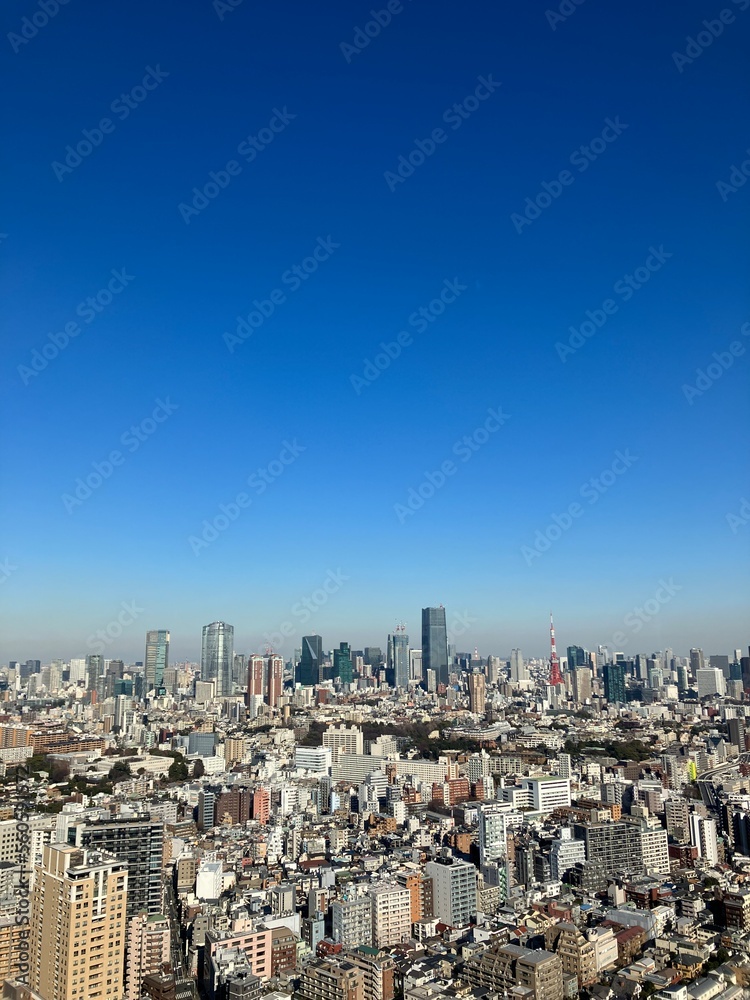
(555, 677)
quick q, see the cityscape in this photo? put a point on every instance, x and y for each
(375, 518)
(414, 820)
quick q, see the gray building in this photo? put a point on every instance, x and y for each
(217, 656)
(434, 645)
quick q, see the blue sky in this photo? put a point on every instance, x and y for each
(181, 90)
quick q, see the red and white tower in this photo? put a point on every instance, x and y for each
(555, 676)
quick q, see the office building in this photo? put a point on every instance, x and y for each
(710, 682)
(139, 841)
(398, 660)
(157, 658)
(310, 670)
(454, 890)
(548, 792)
(343, 669)
(148, 950)
(77, 929)
(518, 671)
(435, 646)
(217, 656)
(614, 683)
(697, 661)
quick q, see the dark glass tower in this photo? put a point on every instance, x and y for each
(614, 682)
(311, 661)
(342, 663)
(576, 657)
(217, 656)
(434, 645)
(157, 658)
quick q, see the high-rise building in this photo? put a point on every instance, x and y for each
(477, 692)
(697, 661)
(139, 841)
(435, 645)
(614, 682)
(352, 921)
(398, 659)
(518, 671)
(217, 656)
(703, 836)
(148, 950)
(275, 680)
(77, 929)
(391, 914)
(496, 820)
(311, 661)
(343, 669)
(255, 670)
(94, 669)
(577, 657)
(157, 658)
(710, 681)
(454, 890)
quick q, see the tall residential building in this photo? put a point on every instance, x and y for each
(255, 671)
(391, 914)
(454, 890)
(614, 682)
(352, 921)
(518, 671)
(217, 656)
(343, 669)
(703, 836)
(565, 853)
(148, 950)
(617, 846)
(311, 661)
(398, 659)
(275, 680)
(139, 841)
(496, 820)
(77, 929)
(477, 692)
(157, 658)
(435, 645)
(343, 741)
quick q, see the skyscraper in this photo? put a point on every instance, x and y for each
(614, 682)
(398, 659)
(342, 663)
(157, 658)
(311, 661)
(275, 680)
(577, 657)
(217, 656)
(77, 930)
(434, 645)
(477, 692)
(518, 670)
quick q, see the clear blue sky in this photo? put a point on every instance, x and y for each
(197, 83)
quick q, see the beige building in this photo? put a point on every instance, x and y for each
(77, 940)
(391, 914)
(577, 954)
(148, 950)
(343, 741)
(503, 967)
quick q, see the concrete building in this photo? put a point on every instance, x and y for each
(343, 741)
(148, 950)
(352, 921)
(502, 968)
(77, 930)
(454, 890)
(391, 914)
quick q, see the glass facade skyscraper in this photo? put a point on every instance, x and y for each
(398, 660)
(311, 661)
(342, 663)
(157, 658)
(434, 645)
(217, 656)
